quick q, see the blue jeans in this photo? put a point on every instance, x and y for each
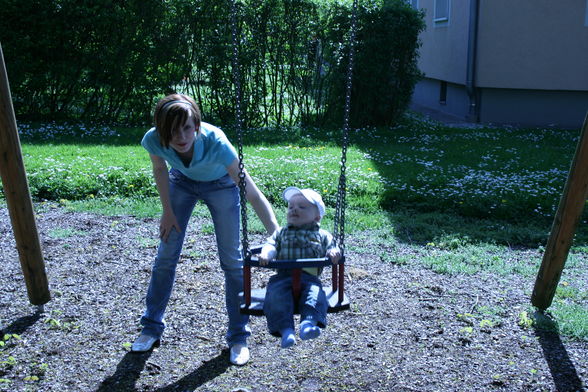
(222, 199)
(278, 305)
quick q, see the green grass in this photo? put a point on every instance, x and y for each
(79, 171)
(460, 257)
(65, 232)
(461, 198)
(489, 185)
(572, 319)
(424, 181)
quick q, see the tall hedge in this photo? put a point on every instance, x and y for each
(110, 60)
(385, 64)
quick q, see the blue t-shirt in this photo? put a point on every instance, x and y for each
(212, 153)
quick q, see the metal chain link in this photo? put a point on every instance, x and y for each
(339, 221)
(238, 124)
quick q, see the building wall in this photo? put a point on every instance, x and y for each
(531, 66)
(533, 108)
(443, 52)
(427, 94)
(532, 44)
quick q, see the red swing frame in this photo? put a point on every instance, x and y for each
(253, 298)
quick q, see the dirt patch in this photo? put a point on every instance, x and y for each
(409, 328)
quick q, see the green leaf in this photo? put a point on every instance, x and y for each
(467, 330)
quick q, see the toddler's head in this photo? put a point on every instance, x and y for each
(304, 206)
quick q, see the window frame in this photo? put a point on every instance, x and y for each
(443, 92)
(444, 19)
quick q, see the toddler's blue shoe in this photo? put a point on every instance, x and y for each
(309, 330)
(288, 338)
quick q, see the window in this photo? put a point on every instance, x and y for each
(443, 93)
(441, 15)
(586, 17)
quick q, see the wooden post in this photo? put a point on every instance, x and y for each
(564, 225)
(18, 198)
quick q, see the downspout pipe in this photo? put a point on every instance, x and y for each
(474, 104)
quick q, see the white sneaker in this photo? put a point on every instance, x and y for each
(239, 354)
(144, 343)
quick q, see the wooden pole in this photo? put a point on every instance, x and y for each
(564, 225)
(18, 198)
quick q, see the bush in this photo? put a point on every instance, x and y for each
(110, 61)
(385, 70)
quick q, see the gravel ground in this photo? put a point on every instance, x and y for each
(408, 329)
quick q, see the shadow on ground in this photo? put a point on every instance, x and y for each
(130, 367)
(127, 373)
(209, 370)
(20, 325)
(563, 371)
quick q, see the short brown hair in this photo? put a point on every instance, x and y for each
(171, 113)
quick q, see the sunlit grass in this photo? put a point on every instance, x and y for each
(140, 207)
(492, 185)
(572, 319)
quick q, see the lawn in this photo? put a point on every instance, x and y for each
(491, 185)
(462, 197)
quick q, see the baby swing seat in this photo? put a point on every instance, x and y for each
(252, 302)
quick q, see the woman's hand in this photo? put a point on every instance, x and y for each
(263, 259)
(166, 224)
(168, 218)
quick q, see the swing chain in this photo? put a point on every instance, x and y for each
(339, 220)
(239, 125)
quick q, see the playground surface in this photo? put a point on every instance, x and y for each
(408, 329)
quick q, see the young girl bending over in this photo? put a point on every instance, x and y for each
(204, 167)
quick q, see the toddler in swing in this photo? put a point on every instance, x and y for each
(301, 238)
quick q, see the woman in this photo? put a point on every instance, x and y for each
(204, 166)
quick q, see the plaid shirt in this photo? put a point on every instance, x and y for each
(308, 241)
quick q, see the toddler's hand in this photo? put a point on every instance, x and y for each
(334, 254)
(268, 253)
(264, 259)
